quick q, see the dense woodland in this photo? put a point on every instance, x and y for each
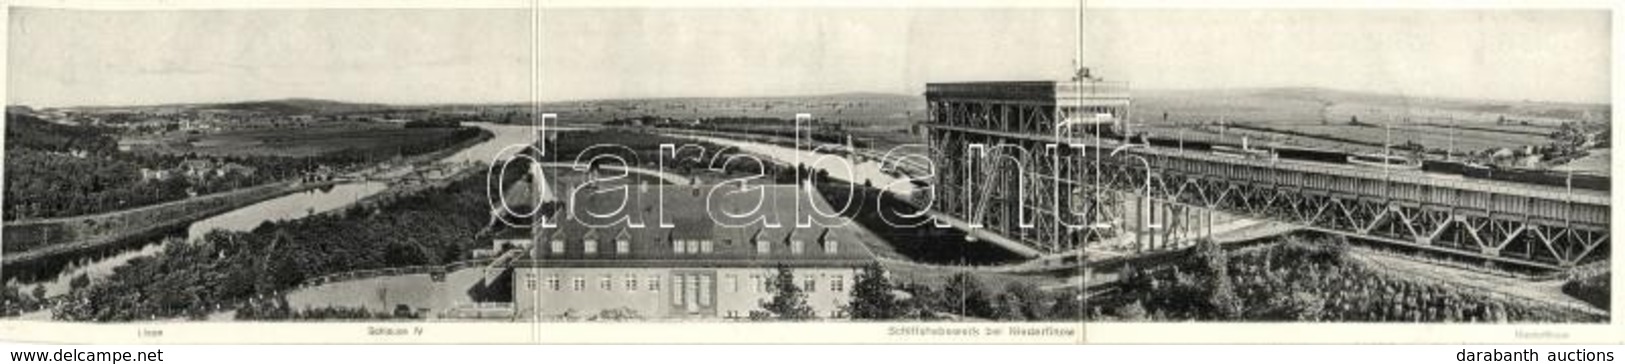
(55, 170)
(1294, 280)
(1593, 288)
(1299, 280)
(251, 269)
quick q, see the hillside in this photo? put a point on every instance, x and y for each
(27, 131)
(294, 106)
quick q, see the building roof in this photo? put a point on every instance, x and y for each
(726, 222)
(1034, 91)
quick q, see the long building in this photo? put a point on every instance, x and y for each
(715, 260)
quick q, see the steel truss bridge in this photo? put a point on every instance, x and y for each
(991, 143)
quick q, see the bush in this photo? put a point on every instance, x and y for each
(1593, 289)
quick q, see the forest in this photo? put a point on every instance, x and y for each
(57, 170)
(235, 271)
(1307, 279)
(1296, 280)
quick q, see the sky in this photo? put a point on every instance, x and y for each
(1498, 54)
(78, 57)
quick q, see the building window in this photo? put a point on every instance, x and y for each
(830, 246)
(705, 246)
(654, 283)
(530, 281)
(705, 290)
(693, 246)
(810, 284)
(763, 247)
(733, 283)
(589, 246)
(557, 246)
(796, 247)
(756, 283)
(631, 282)
(578, 283)
(622, 246)
(837, 284)
(604, 283)
(677, 246)
(553, 282)
(676, 289)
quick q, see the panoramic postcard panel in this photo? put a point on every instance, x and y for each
(929, 169)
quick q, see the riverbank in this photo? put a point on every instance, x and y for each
(30, 240)
(302, 231)
(25, 241)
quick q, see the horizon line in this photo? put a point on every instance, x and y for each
(1607, 103)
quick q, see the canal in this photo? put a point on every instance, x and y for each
(99, 264)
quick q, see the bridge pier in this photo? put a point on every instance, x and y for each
(1159, 224)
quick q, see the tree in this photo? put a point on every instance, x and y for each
(789, 302)
(1007, 307)
(872, 297)
(79, 282)
(1067, 306)
(1028, 300)
(1134, 311)
(921, 301)
(1303, 306)
(964, 295)
(1213, 269)
(39, 293)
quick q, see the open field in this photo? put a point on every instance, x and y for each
(881, 119)
(1373, 137)
(302, 142)
(1317, 105)
(1322, 118)
(1597, 162)
(857, 108)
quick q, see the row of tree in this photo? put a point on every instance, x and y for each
(874, 296)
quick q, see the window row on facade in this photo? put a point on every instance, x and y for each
(757, 283)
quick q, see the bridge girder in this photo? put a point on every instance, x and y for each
(1495, 226)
